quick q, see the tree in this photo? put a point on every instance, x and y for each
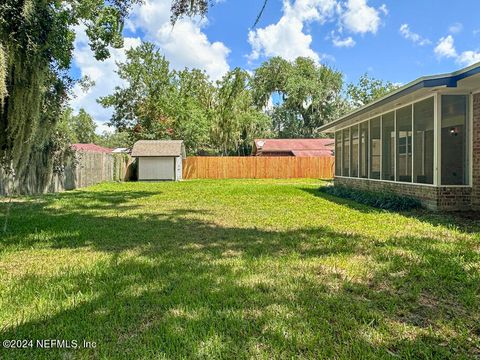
(367, 90)
(310, 94)
(236, 120)
(36, 45)
(114, 140)
(159, 103)
(84, 127)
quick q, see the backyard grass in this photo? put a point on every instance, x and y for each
(236, 269)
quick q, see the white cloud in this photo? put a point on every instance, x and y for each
(446, 49)
(383, 8)
(358, 17)
(468, 57)
(289, 37)
(184, 45)
(102, 72)
(414, 37)
(455, 28)
(286, 38)
(347, 42)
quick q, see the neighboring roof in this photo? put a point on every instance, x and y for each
(91, 148)
(272, 145)
(304, 153)
(158, 148)
(449, 80)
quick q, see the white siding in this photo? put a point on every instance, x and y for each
(156, 168)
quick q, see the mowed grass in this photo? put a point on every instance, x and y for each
(236, 269)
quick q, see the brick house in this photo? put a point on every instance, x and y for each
(422, 140)
(293, 147)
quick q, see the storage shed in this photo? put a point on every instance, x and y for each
(159, 159)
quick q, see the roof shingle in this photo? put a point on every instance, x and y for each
(158, 148)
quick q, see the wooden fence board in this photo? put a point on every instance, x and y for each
(258, 167)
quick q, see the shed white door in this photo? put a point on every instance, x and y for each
(156, 168)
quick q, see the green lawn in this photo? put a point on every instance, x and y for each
(236, 269)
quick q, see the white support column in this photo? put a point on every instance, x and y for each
(413, 141)
(470, 139)
(368, 150)
(358, 150)
(395, 150)
(381, 148)
(437, 132)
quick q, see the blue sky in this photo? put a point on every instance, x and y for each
(390, 39)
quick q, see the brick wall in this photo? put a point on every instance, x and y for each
(435, 198)
(476, 153)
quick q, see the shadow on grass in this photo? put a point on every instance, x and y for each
(468, 221)
(192, 288)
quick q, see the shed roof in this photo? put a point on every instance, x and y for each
(158, 148)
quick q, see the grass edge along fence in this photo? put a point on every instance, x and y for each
(258, 167)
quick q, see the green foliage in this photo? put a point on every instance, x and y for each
(160, 103)
(236, 120)
(84, 127)
(36, 45)
(378, 199)
(310, 94)
(367, 90)
(114, 140)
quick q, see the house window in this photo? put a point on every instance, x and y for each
(454, 154)
(354, 169)
(423, 149)
(364, 149)
(404, 143)
(375, 151)
(388, 146)
(346, 152)
(338, 153)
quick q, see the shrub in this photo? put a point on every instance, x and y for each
(382, 199)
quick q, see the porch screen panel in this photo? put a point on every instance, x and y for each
(423, 120)
(375, 148)
(388, 146)
(454, 154)
(346, 152)
(338, 153)
(404, 144)
(364, 149)
(355, 147)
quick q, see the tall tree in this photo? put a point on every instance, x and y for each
(367, 90)
(36, 45)
(159, 103)
(84, 127)
(236, 120)
(309, 94)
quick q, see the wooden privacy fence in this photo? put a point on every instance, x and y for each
(258, 167)
(83, 169)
